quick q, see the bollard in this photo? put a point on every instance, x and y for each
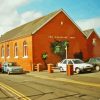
(69, 69)
(34, 67)
(50, 66)
(39, 67)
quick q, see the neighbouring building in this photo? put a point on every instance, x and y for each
(93, 43)
(25, 44)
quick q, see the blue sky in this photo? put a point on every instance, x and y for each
(77, 9)
(86, 13)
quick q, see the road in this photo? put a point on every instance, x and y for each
(28, 87)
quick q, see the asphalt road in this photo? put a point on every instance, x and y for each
(28, 87)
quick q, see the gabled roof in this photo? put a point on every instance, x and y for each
(28, 28)
(32, 27)
(88, 32)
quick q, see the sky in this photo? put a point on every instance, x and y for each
(13, 13)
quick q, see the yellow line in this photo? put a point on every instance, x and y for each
(20, 95)
(69, 80)
(79, 82)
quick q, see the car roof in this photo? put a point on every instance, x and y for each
(95, 58)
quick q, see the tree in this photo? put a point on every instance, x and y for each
(44, 57)
(58, 47)
(78, 55)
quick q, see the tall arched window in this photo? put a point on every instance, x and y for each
(16, 50)
(25, 49)
(2, 51)
(8, 51)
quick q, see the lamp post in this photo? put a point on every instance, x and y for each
(66, 54)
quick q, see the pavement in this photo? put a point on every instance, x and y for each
(90, 79)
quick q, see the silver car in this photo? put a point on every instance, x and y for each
(10, 67)
(78, 65)
(95, 62)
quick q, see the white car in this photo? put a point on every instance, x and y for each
(78, 65)
(10, 67)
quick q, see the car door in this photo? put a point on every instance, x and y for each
(77, 63)
(5, 69)
(71, 63)
(64, 63)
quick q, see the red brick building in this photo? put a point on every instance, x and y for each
(25, 44)
(93, 43)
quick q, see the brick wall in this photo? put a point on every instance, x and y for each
(26, 63)
(59, 28)
(93, 50)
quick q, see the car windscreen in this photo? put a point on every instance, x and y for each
(78, 61)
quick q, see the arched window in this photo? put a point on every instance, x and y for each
(25, 49)
(94, 41)
(8, 51)
(2, 51)
(16, 50)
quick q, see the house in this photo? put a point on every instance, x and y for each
(93, 43)
(26, 44)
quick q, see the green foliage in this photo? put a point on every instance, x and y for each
(78, 55)
(44, 56)
(58, 47)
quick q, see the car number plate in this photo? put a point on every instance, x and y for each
(88, 69)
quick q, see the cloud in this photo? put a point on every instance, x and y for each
(30, 15)
(89, 23)
(9, 16)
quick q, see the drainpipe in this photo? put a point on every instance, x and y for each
(5, 52)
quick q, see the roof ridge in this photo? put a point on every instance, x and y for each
(31, 27)
(88, 32)
(33, 20)
(89, 29)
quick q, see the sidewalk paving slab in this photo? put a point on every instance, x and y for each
(89, 78)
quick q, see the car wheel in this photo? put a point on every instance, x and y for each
(2, 71)
(97, 68)
(77, 70)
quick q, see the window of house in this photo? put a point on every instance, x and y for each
(25, 49)
(16, 50)
(2, 51)
(8, 51)
(94, 41)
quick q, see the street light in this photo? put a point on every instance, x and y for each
(66, 54)
(68, 67)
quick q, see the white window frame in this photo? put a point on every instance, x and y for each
(8, 51)
(25, 50)
(16, 51)
(2, 52)
(94, 41)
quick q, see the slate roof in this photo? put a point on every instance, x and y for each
(33, 26)
(28, 28)
(88, 32)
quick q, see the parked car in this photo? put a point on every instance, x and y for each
(11, 67)
(95, 62)
(0, 66)
(78, 65)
